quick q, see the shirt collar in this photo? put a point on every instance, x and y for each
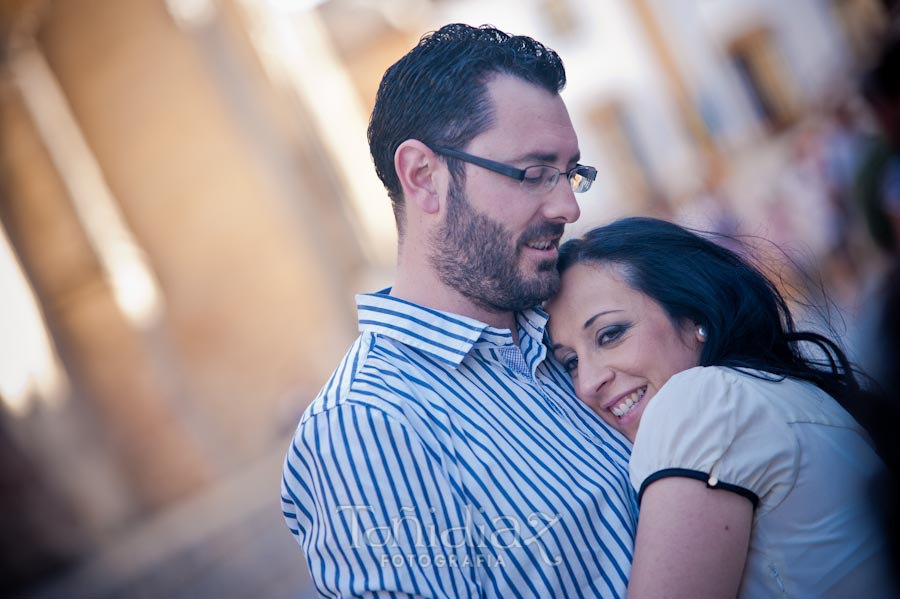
(444, 335)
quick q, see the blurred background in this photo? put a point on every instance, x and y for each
(188, 206)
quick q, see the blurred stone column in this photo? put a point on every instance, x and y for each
(118, 374)
(237, 216)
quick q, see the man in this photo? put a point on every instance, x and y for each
(448, 456)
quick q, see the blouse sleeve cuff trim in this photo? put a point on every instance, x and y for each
(710, 481)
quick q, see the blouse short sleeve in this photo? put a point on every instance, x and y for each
(722, 427)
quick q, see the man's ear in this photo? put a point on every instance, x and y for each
(418, 169)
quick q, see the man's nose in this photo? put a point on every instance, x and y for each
(560, 204)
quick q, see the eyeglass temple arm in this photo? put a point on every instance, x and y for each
(497, 167)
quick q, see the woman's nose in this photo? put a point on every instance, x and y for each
(593, 379)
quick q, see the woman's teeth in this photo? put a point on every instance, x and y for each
(628, 403)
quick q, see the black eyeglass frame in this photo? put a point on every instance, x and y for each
(587, 172)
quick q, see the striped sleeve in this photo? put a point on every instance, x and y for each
(371, 504)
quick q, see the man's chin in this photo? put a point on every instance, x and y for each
(526, 295)
(540, 275)
(541, 286)
(548, 265)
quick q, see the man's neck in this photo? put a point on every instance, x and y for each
(426, 289)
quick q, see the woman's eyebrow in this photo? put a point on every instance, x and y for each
(591, 320)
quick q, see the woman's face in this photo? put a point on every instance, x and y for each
(618, 344)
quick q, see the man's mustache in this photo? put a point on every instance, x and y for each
(542, 231)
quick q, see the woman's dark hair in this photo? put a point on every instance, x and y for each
(437, 92)
(748, 323)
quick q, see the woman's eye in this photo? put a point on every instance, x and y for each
(609, 334)
(570, 364)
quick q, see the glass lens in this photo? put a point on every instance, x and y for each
(581, 177)
(540, 178)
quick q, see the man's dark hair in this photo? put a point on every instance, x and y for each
(437, 95)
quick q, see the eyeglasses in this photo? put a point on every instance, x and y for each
(540, 178)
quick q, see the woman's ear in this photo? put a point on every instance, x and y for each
(700, 333)
(420, 174)
(693, 335)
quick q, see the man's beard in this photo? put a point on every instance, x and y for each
(477, 257)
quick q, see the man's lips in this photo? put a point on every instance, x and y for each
(543, 244)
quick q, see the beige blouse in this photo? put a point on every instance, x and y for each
(796, 454)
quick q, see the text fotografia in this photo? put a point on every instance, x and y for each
(407, 530)
(424, 560)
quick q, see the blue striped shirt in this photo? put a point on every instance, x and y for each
(443, 460)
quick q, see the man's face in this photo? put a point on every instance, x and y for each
(481, 258)
(498, 243)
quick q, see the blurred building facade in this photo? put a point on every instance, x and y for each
(187, 206)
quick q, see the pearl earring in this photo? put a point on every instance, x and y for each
(701, 332)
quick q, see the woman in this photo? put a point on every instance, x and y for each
(752, 479)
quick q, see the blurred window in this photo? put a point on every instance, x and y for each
(762, 72)
(627, 160)
(862, 22)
